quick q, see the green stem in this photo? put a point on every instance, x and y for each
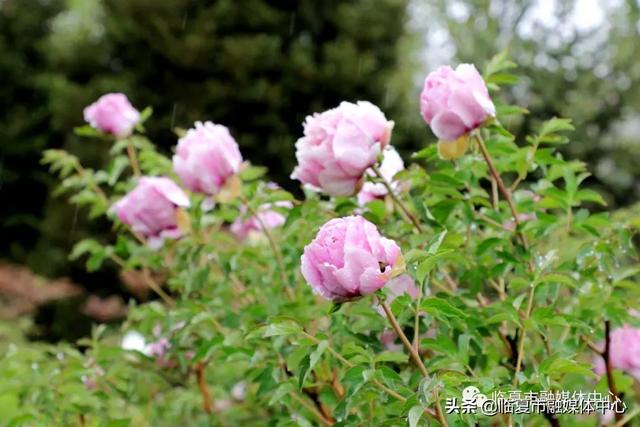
(348, 364)
(503, 189)
(507, 196)
(410, 216)
(272, 243)
(311, 409)
(133, 160)
(415, 356)
(520, 357)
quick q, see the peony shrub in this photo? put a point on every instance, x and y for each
(482, 264)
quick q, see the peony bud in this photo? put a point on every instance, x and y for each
(391, 164)
(348, 258)
(152, 209)
(243, 227)
(207, 158)
(339, 145)
(454, 103)
(112, 114)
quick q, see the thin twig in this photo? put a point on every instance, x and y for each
(396, 200)
(532, 291)
(416, 322)
(348, 364)
(83, 174)
(447, 277)
(415, 356)
(207, 405)
(485, 218)
(396, 327)
(507, 196)
(311, 409)
(157, 288)
(272, 243)
(494, 194)
(503, 189)
(133, 160)
(592, 346)
(146, 274)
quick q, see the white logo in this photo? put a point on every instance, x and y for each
(472, 400)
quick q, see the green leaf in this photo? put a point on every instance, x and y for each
(252, 173)
(557, 278)
(499, 62)
(391, 356)
(415, 413)
(145, 114)
(562, 366)
(555, 125)
(284, 327)
(425, 267)
(550, 129)
(88, 131)
(9, 406)
(590, 196)
(440, 307)
(83, 247)
(435, 243)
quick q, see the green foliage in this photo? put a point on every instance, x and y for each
(24, 127)
(505, 304)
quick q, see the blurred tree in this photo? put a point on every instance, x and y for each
(24, 125)
(256, 66)
(578, 59)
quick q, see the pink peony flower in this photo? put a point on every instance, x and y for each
(624, 352)
(243, 227)
(113, 114)
(339, 145)
(391, 164)
(206, 157)
(456, 102)
(348, 258)
(151, 209)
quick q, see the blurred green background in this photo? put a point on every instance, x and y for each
(261, 66)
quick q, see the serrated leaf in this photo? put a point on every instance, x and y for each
(391, 356)
(415, 413)
(286, 327)
(439, 306)
(252, 173)
(425, 267)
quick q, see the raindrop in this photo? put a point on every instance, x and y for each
(292, 22)
(173, 116)
(73, 225)
(1, 168)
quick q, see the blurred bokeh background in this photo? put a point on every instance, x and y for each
(259, 67)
